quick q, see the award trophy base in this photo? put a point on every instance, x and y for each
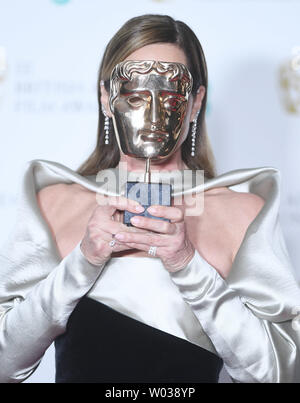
(147, 194)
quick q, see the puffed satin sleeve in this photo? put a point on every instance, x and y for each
(250, 316)
(38, 289)
(30, 321)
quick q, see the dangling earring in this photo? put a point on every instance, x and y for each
(194, 131)
(106, 126)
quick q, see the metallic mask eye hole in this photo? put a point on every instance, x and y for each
(173, 104)
(135, 101)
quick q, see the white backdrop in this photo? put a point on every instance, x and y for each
(50, 52)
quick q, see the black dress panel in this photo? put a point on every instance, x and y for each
(102, 345)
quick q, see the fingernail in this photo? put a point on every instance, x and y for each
(139, 208)
(135, 219)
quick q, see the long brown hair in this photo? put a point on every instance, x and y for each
(134, 34)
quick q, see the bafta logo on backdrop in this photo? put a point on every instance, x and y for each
(289, 80)
(3, 70)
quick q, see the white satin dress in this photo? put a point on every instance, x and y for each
(249, 320)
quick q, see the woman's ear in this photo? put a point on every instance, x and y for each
(197, 102)
(105, 100)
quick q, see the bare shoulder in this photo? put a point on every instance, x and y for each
(227, 216)
(251, 202)
(244, 206)
(229, 202)
(52, 196)
(60, 203)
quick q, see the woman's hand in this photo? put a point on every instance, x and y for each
(104, 223)
(173, 245)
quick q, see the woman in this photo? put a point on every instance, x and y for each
(219, 288)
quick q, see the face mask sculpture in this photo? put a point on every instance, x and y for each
(149, 101)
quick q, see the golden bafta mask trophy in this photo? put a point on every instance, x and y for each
(149, 100)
